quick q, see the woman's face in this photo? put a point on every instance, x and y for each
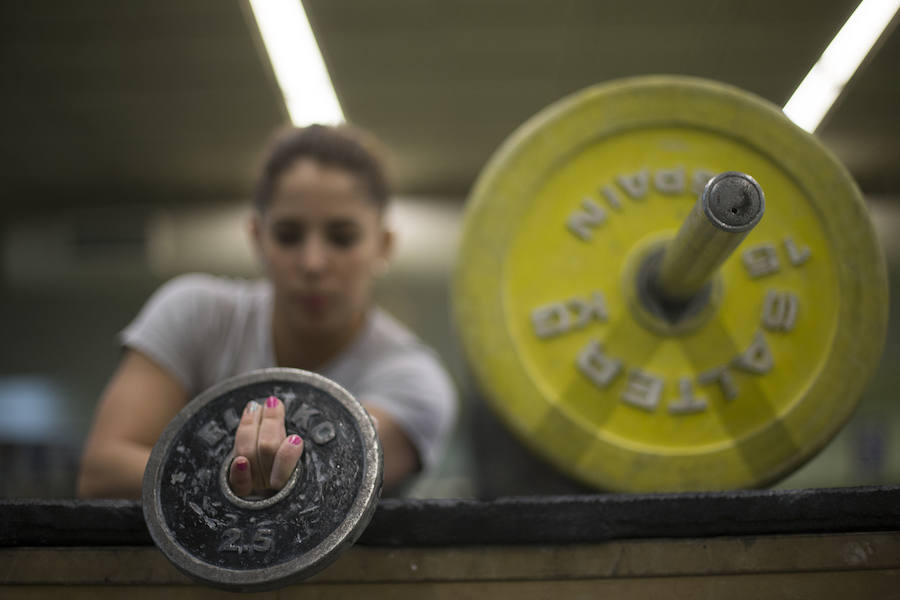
(322, 241)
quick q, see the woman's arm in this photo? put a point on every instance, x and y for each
(136, 406)
(401, 459)
(139, 402)
(413, 401)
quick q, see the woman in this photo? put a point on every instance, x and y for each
(318, 228)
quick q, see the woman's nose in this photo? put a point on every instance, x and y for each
(313, 255)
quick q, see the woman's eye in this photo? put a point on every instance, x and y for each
(343, 237)
(287, 236)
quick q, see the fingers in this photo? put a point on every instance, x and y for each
(285, 460)
(239, 477)
(264, 458)
(245, 442)
(271, 435)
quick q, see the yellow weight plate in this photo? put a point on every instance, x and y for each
(544, 301)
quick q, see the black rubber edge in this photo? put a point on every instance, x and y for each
(514, 520)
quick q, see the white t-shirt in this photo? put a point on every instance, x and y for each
(203, 329)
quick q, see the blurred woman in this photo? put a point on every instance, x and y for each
(318, 228)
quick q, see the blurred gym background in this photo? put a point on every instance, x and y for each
(131, 131)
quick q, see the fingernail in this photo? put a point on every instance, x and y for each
(271, 401)
(252, 407)
(295, 440)
(241, 464)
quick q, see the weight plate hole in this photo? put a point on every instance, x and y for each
(256, 502)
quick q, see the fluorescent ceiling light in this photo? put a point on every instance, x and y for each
(825, 81)
(297, 62)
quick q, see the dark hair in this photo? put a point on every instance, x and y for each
(340, 146)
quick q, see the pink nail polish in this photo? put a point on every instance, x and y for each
(241, 464)
(271, 402)
(295, 440)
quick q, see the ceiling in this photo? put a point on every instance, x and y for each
(109, 102)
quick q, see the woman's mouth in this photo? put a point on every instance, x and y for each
(314, 303)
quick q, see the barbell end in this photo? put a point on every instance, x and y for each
(733, 202)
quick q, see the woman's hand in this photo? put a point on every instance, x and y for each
(264, 456)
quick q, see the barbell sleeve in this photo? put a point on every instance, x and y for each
(730, 205)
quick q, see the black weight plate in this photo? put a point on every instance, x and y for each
(229, 542)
